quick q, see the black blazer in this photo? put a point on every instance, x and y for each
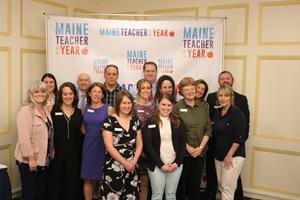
(151, 143)
(239, 100)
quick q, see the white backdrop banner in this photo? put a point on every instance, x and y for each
(180, 48)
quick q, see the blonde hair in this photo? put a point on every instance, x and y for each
(228, 91)
(37, 86)
(139, 86)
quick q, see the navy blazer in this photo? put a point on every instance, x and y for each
(151, 143)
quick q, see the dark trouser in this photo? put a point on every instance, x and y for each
(212, 182)
(34, 183)
(65, 182)
(190, 180)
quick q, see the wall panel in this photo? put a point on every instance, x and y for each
(277, 114)
(285, 31)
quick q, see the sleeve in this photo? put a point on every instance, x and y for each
(175, 109)
(245, 110)
(239, 126)
(207, 129)
(182, 142)
(24, 126)
(149, 148)
(211, 102)
(108, 124)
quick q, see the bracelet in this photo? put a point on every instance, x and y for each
(201, 147)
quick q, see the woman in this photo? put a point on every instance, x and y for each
(65, 183)
(165, 147)
(195, 116)
(50, 81)
(123, 141)
(34, 148)
(201, 89)
(165, 84)
(93, 151)
(229, 131)
(143, 109)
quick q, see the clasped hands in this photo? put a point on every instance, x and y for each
(195, 152)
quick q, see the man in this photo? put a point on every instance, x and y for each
(83, 82)
(150, 74)
(225, 77)
(111, 75)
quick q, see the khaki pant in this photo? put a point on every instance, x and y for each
(227, 178)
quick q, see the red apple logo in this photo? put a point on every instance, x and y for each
(84, 51)
(210, 54)
(172, 33)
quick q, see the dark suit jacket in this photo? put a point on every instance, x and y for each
(151, 143)
(239, 100)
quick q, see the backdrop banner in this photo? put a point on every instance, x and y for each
(180, 48)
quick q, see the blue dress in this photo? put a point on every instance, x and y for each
(93, 151)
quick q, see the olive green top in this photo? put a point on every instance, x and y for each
(196, 120)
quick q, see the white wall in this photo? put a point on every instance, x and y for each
(262, 50)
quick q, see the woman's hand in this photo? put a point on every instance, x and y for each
(32, 166)
(190, 149)
(129, 166)
(173, 167)
(166, 168)
(228, 162)
(197, 152)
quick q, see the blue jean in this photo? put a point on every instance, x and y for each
(163, 181)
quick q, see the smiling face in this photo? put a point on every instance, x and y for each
(189, 92)
(166, 87)
(83, 81)
(96, 95)
(145, 90)
(225, 78)
(200, 89)
(67, 96)
(165, 107)
(39, 97)
(111, 76)
(150, 73)
(50, 84)
(125, 106)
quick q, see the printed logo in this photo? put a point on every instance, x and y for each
(198, 42)
(72, 38)
(99, 65)
(136, 59)
(136, 32)
(165, 65)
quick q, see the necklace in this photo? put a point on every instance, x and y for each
(67, 116)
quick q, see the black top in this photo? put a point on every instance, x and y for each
(229, 129)
(151, 141)
(239, 100)
(67, 135)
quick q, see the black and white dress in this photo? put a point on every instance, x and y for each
(117, 183)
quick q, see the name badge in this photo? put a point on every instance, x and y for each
(151, 125)
(140, 111)
(118, 129)
(90, 110)
(183, 110)
(58, 113)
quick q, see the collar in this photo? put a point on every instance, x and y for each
(197, 103)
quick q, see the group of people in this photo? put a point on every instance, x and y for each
(100, 141)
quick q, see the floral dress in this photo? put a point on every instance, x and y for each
(117, 183)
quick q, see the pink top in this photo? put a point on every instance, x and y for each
(32, 140)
